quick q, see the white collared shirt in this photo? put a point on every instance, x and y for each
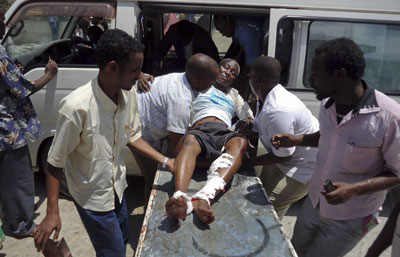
(283, 112)
(165, 108)
(91, 130)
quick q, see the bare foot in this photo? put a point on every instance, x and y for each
(176, 208)
(203, 211)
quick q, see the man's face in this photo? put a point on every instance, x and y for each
(227, 29)
(227, 73)
(129, 72)
(2, 24)
(321, 80)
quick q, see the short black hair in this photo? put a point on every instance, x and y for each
(267, 69)
(342, 53)
(116, 45)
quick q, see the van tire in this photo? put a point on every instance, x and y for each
(43, 153)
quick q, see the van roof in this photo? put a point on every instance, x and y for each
(383, 6)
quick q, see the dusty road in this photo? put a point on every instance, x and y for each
(78, 240)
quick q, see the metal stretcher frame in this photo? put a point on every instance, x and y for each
(245, 223)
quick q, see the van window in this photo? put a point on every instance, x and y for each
(379, 42)
(42, 30)
(204, 21)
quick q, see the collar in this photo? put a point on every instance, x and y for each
(105, 101)
(367, 101)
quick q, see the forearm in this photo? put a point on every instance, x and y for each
(142, 147)
(267, 159)
(371, 185)
(308, 139)
(53, 176)
(41, 82)
(385, 238)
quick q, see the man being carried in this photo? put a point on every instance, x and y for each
(210, 137)
(165, 108)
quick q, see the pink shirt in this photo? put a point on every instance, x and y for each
(365, 141)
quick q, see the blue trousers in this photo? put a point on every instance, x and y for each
(108, 231)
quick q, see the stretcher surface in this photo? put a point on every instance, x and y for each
(245, 222)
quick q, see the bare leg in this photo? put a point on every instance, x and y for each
(236, 147)
(185, 164)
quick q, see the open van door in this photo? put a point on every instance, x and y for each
(294, 34)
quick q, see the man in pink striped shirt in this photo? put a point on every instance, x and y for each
(359, 150)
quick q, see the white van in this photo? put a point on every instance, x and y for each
(293, 29)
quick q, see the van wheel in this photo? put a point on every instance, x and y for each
(44, 152)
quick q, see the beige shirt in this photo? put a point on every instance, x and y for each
(91, 130)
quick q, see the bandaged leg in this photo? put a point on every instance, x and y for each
(179, 209)
(215, 182)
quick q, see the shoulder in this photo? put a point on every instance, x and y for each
(77, 99)
(388, 104)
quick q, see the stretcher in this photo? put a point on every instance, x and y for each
(245, 225)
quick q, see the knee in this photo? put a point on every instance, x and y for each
(242, 145)
(189, 140)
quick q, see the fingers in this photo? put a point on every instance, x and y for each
(56, 232)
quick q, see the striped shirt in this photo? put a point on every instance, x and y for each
(165, 108)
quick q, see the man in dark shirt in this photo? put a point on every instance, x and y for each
(188, 39)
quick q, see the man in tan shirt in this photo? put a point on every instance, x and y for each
(95, 121)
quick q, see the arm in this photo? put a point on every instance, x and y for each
(65, 141)
(49, 73)
(289, 140)
(142, 147)
(267, 159)
(52, 221)
(384, 239)
(163, 47)
(346, 191)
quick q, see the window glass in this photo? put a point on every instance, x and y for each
(42, 29)
(220, 41)
(36, 31)
(379, 42)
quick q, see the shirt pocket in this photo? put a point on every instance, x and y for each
(361, 159)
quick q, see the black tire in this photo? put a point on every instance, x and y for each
(42, 161)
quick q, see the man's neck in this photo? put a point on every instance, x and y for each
(110, 90)
(350, 97)
(220, 87)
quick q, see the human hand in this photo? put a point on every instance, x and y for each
(243, 126)
(284, 140)
(144, 82)
(51, 68)
(171, 165)
(43, 231)
(342, 193)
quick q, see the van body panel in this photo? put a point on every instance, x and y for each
(128, 15)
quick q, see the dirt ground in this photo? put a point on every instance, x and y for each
(80, 245)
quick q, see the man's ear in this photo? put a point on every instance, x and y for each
(341, 73)
(113, 66)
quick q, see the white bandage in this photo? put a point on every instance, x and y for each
(214, 181)
(188, 200)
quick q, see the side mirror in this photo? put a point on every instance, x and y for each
(17, 28)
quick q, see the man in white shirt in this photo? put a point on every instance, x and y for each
(210, 138)
(286, 171)
(96, 120)
(165, 108)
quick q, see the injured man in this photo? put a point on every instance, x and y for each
(210, 136)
